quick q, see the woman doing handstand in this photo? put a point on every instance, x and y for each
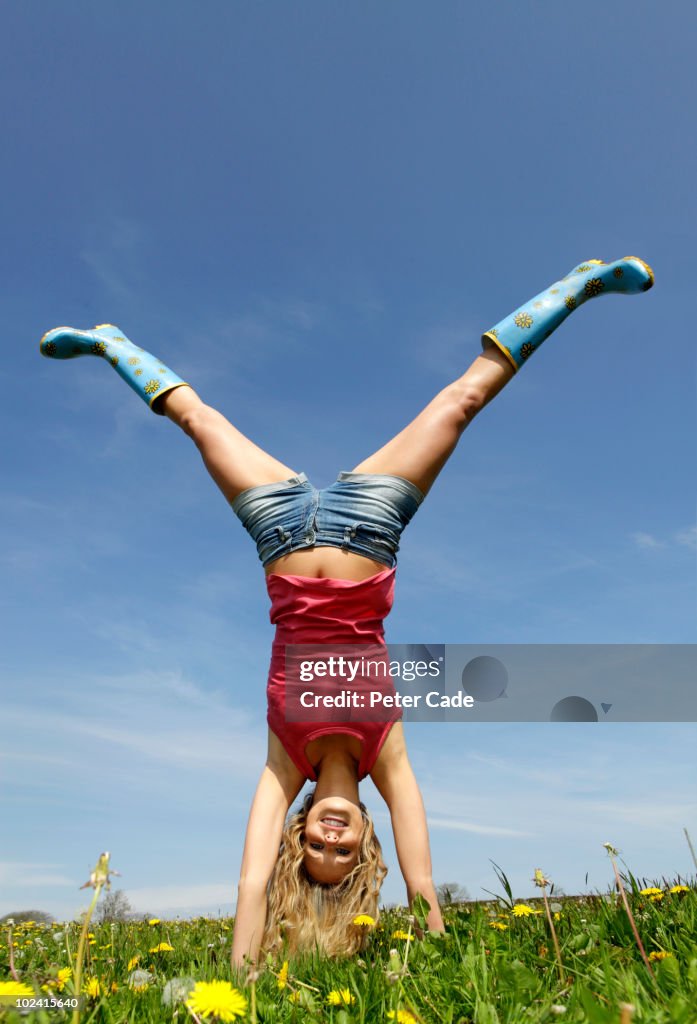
(329, 558)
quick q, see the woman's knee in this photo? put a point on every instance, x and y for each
(461, 401)
(200, 422)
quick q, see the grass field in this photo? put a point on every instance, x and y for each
(497, 964)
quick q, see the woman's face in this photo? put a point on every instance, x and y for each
(333, 834)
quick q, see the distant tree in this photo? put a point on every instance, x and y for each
(40, 916)
(451, 892)
(113, 907)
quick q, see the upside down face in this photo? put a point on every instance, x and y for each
(332, 839)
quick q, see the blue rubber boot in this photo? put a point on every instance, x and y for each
(145, 373)
(525, 329)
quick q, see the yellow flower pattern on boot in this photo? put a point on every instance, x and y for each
(152, 387)
(593, 286)
(570, 302)
(523, 320)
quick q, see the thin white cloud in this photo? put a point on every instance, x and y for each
(160, 718)
(25, 874)
(646, 540)
(455, 825)
(114, 254)
(161, 899)
(233, 742)
(653, 812)
(34, 758)
(688, 537)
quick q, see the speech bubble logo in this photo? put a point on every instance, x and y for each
(573, 709)
(485, 678)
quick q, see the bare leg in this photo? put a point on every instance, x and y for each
(419, 452)
(234, 462)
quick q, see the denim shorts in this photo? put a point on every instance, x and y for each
(360, 512)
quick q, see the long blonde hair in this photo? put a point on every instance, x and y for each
(307, 915)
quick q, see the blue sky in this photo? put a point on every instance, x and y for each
(311, 213)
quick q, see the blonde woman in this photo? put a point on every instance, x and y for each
(329, 557)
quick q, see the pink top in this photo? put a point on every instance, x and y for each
(323, 611)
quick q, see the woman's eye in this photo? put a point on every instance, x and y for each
(316, 846)
(343, 853)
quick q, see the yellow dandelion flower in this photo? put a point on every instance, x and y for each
(217, 999)
(402, 1017)
(132, 962)
(656, 897)
(93, 988)
(659, 954)
(154, 920)
(282, 979)
(294, 997)
(498, 924)
(341, 997)
(162, 947)
(557, 915)
(364, 921)
(522, 910)
(651, 891)
(14, 990)
(679, 888)
(405, 936)
(64, 975)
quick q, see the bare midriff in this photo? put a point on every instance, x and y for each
(325, 563)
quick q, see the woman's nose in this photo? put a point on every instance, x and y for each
(331, 837)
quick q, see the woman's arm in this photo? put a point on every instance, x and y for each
(396, 783)
(278, 786)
